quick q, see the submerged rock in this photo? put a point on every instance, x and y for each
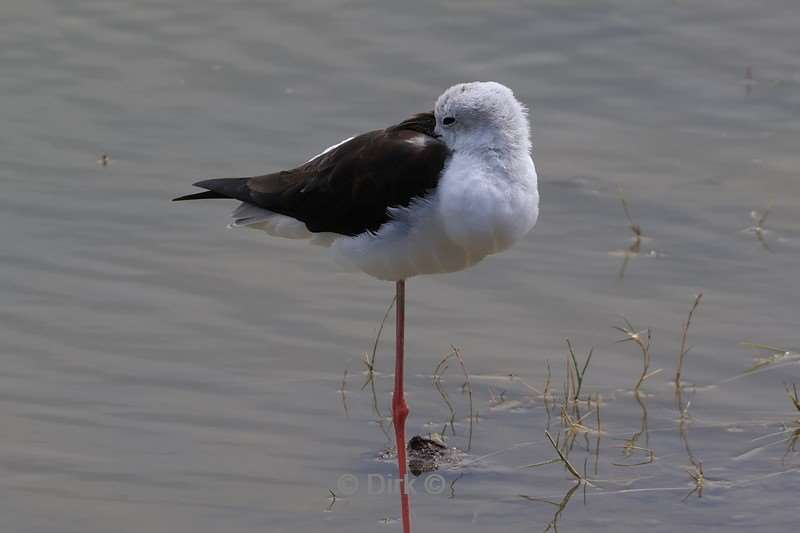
(425, 454)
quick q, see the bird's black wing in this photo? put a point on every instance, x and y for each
(349, 189)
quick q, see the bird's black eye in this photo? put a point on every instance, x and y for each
(448, 120)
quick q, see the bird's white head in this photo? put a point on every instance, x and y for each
(482, 116)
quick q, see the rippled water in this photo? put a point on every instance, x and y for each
(162, 373)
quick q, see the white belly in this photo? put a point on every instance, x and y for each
(469, 216)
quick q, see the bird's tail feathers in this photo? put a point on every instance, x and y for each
(235, 188)
(199, 196)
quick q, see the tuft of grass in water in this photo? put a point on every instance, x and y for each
(577, 395)
(684, 348)
(699, 478)
(440, 369)
(793, 428)
(576, 374)
(642, 339)
(572, 420)
(574, 425)
(696, 468)
(636, 229)
(776, 355)
(495, 398)
(789, 432)
(466, 387)
(759, 218)
(574, 379)
(332, 499)
(368, 359)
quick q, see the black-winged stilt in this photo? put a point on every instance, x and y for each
(435, 193)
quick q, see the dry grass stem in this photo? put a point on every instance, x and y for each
(597, 410)
(792, 392)
(332, 499)
(465, 387)
(598, 431)
(776, 355)
(543, 463)
(561, 506)
(635, 228)
(629, 448)
(571, 469)
(468, 387)
(793, 428)
(636, 246)
(514, 377)
(441, 368)
(699, 478)
(577, 374)
(546, 392)
(684, 348)
(574, 425)
(759, 218)
(496, 399)
(369, 362)
(343, 390)
(642, 339)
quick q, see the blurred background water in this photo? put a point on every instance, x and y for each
(162, 373)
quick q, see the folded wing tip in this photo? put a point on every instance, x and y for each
(199, 196)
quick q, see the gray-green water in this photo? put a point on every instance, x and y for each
(161, 373)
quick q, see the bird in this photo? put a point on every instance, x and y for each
(435, 193)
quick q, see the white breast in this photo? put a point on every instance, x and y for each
(488, 204)
(477, 209)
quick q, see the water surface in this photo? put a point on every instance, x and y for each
(163, 373)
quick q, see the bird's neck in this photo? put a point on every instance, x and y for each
(501, 145)
(500, 157)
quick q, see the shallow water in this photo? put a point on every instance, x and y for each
(162, 373)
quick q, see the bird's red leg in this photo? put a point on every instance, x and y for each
(399, 406)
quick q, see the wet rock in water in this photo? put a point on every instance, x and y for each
(425, 453)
